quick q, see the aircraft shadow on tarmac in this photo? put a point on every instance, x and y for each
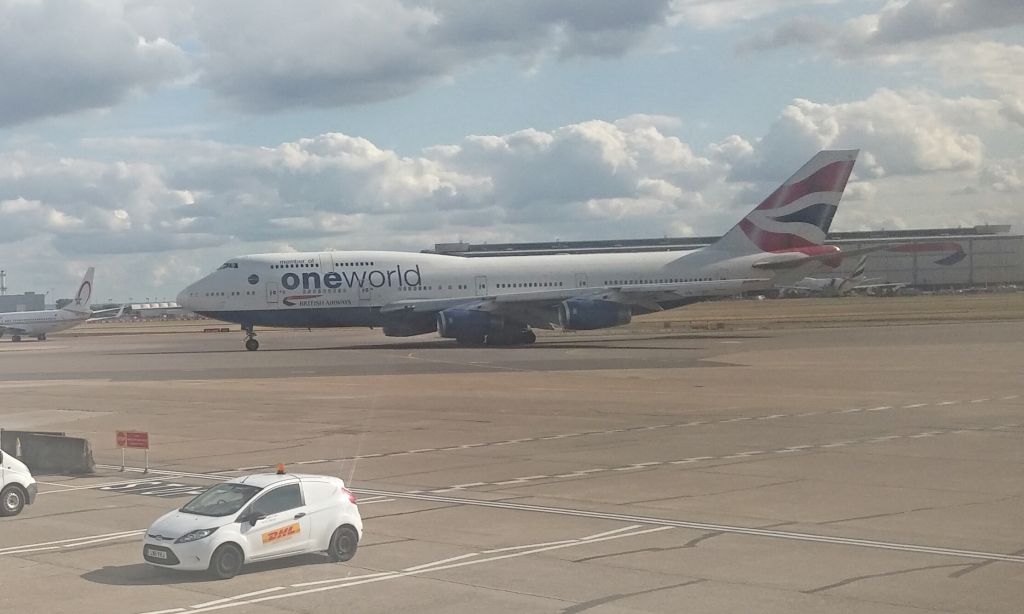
(140, 574)
(451, 345)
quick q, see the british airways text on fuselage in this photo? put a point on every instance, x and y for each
(372, 278)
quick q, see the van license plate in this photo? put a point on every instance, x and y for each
(156, 554)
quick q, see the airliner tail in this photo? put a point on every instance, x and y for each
(798, 214)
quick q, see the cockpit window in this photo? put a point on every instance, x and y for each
(228, 265)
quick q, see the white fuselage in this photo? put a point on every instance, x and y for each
(36, 323)
(345, 288)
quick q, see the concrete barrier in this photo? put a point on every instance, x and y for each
(49, 452)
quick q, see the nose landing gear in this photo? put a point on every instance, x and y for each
(251, 343)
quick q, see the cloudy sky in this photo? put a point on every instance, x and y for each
(154, 139)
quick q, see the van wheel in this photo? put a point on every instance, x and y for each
(12, 500)
(343, 544)
(226, 561)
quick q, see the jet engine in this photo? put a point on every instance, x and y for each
(468, 325)
(403, 324)
(588, 314)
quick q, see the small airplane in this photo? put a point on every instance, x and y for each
(38, 324)
(499, 301)
(840, 285)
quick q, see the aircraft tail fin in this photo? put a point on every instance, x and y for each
(80, 304)
(798, 214)
(854, 277)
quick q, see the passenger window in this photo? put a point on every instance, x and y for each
(278, 500)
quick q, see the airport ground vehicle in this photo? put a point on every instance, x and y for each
(254, 518)
(17, 486)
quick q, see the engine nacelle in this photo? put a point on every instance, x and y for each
(587, 314)
(468, 324)
(403, 324)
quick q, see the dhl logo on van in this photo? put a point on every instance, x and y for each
(282, 533)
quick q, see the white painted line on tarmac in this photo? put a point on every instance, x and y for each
(1009, 398)
(914, 405)
(741, 530)
(242, 596)
(171, 611)
(336, 580)
(442, 561)
(525, 546)
(880, 408)
(948, 403)
(69, 542)
(979, 400)
(341, 583)
(612, 532)
(67, 488)
(472, 484)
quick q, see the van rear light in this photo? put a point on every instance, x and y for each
(351, 496)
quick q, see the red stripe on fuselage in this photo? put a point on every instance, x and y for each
(830, 178)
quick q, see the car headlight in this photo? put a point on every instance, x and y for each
(196, 535)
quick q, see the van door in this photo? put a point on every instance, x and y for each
(284, 530)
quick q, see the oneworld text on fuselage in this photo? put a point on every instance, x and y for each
(373, 278)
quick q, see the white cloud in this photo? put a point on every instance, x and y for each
(322, 53)
(900, 133)
(196, 202)
(64, 56)
(720, 13)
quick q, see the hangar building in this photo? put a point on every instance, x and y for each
(928, 258)
(30, 301)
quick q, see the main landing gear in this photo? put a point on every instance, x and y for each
(250, 338)
(41, 337)
(15, 338)
(503, 338)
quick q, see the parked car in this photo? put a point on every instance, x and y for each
(254, 518)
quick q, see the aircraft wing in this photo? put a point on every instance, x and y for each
(792, 260)
(533, 306)
(12, 330)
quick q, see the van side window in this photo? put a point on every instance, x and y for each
(278, 500)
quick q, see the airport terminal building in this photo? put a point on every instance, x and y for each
(30, 301)
(931, 258)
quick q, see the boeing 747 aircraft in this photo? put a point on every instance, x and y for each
(498, 301)
(38, 324)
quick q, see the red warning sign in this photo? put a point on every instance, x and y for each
(133, 439)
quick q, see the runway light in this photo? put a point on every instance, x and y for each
(280, 469)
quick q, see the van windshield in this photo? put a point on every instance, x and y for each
(221, 500)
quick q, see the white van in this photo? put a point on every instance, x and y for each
(17, 486)
(257, 518)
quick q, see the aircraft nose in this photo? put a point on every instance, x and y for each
(184, 298)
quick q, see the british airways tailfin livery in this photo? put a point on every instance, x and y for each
(498, 301)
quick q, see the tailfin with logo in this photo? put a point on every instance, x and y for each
(798, 214)
(80, 304)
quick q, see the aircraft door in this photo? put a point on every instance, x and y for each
(366, 295)
(273, 292)
(581, 280)
(481, 285)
